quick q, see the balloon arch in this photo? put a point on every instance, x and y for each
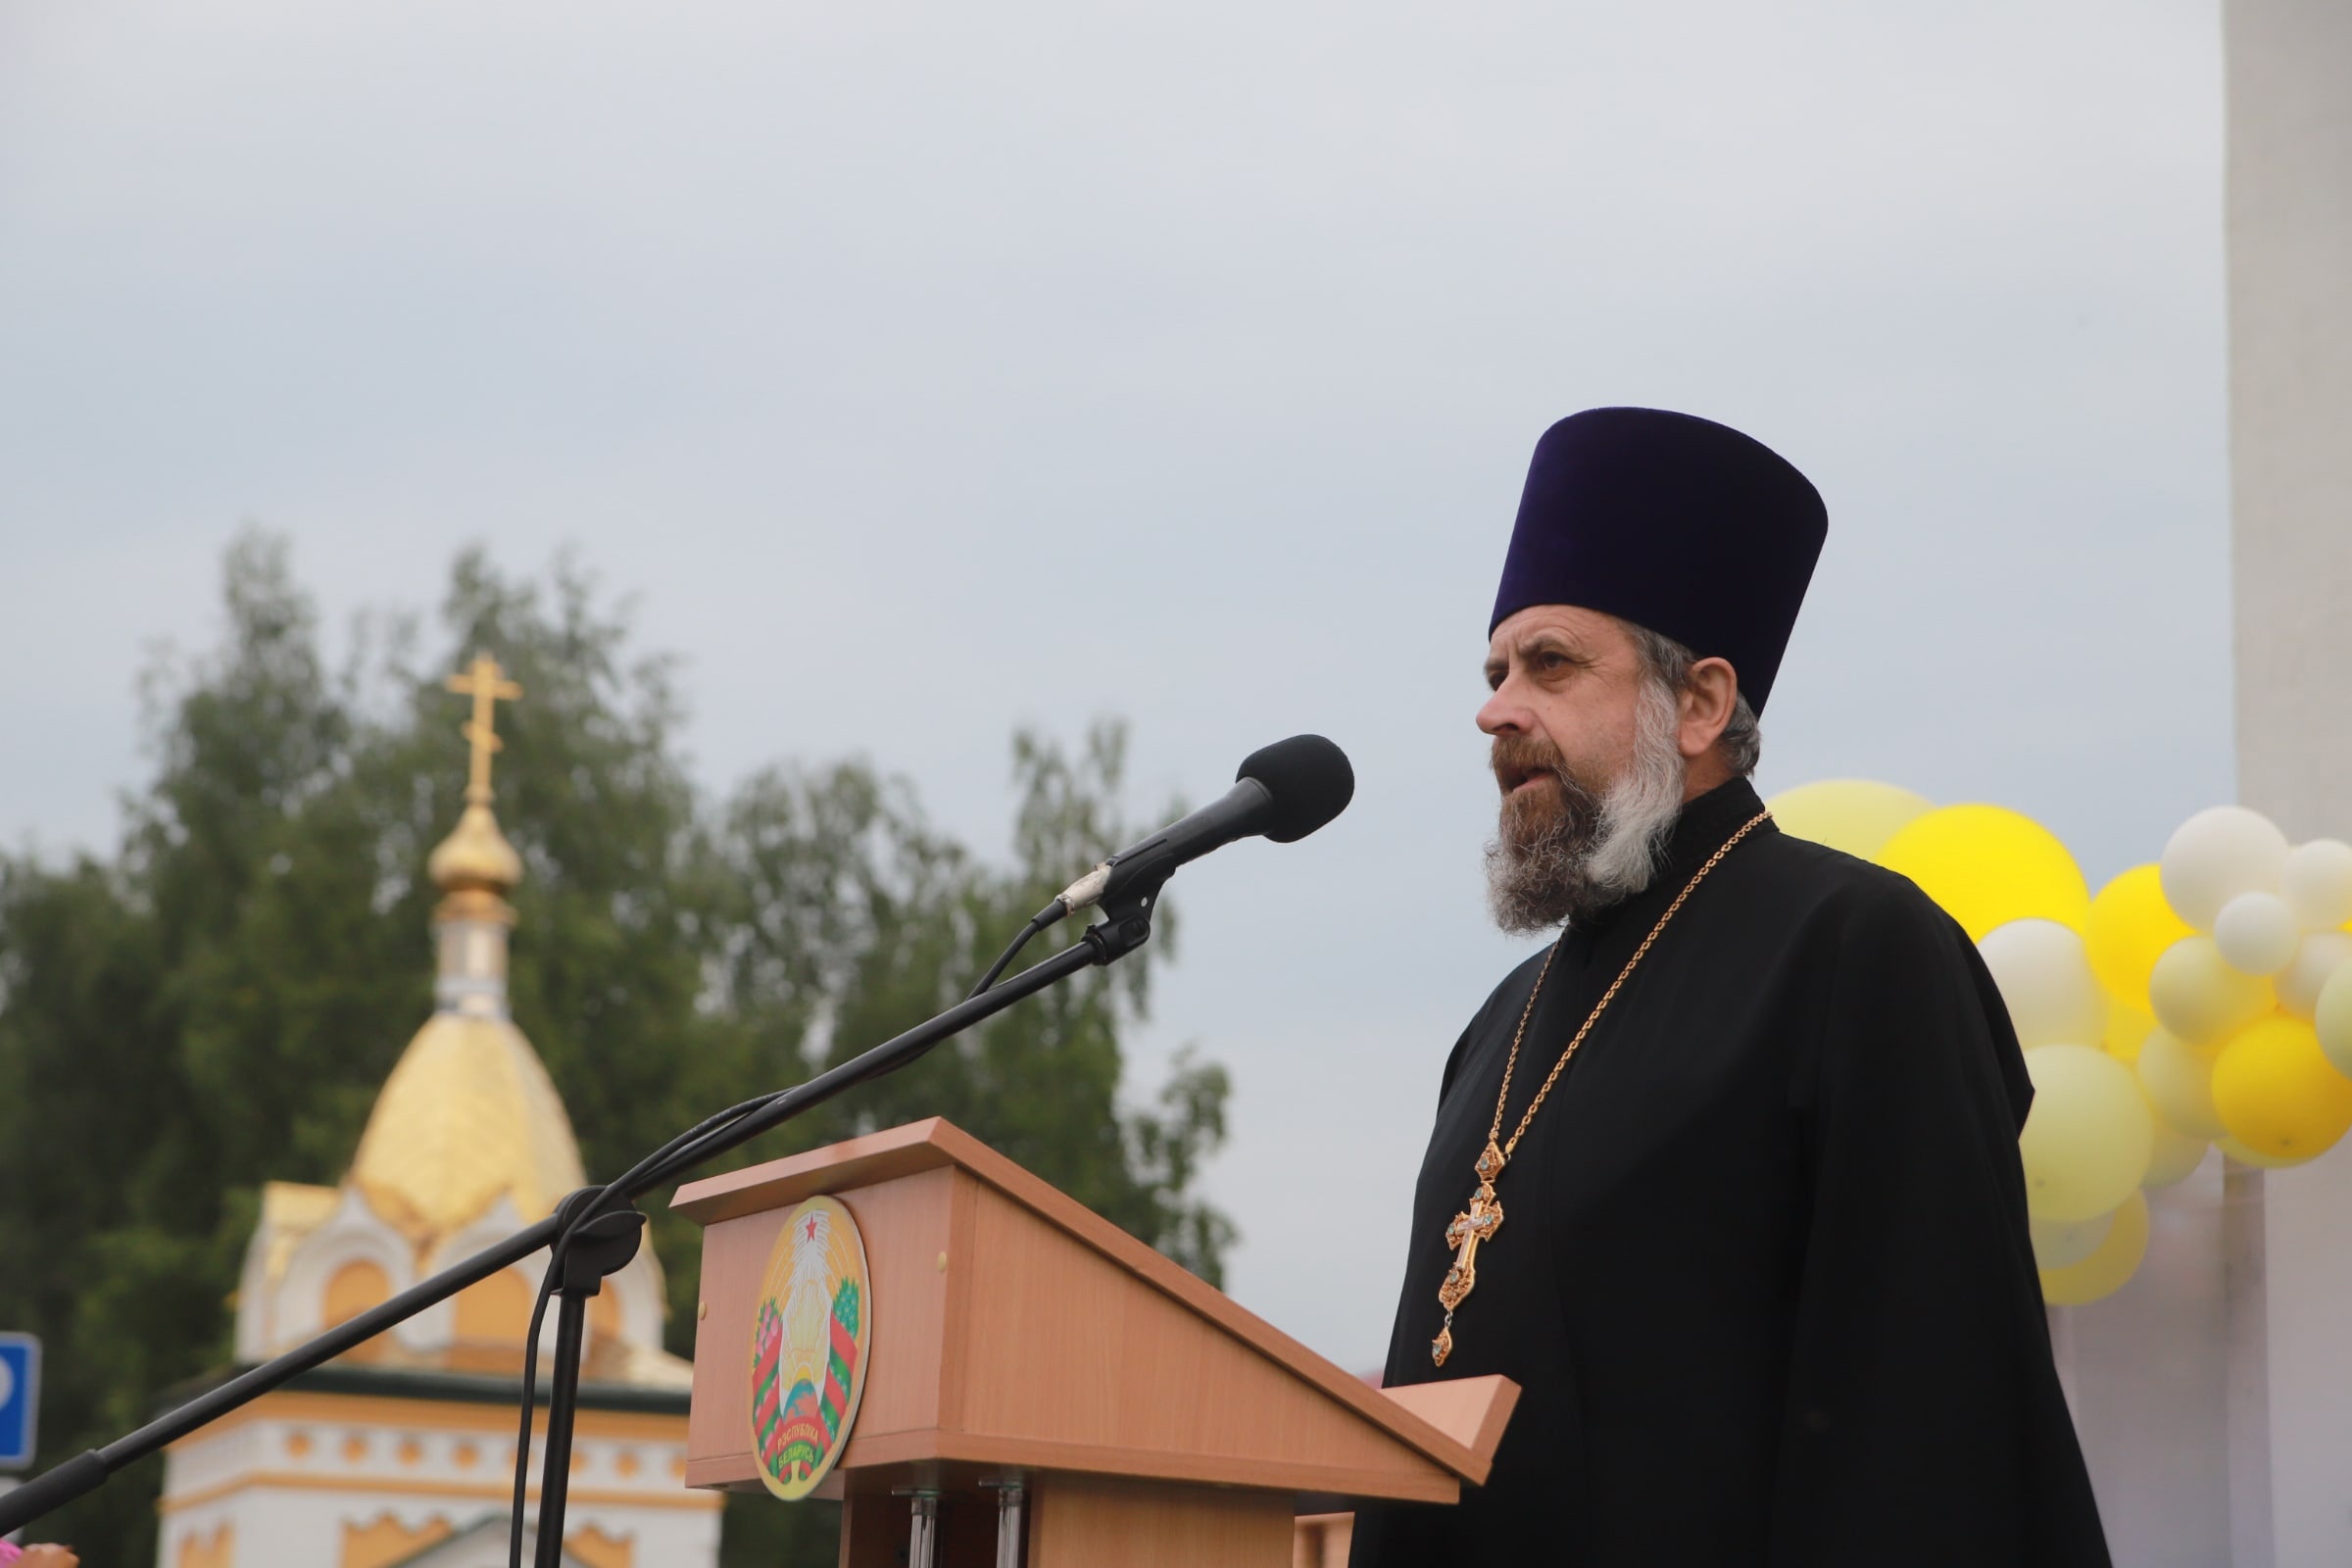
(2202, 999)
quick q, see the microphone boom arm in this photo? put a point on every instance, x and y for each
(1126, 926)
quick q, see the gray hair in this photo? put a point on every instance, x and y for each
(1666, 664)
(1601, 846)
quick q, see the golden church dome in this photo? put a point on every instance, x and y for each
(468, 1117)
(468, 1113)
(476, 856)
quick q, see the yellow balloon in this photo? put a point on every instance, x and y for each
(2127, 1029)
(1987, 866)
(1855, 814)
(2131, 926)
(2251, 1156)
(2177, 1079)
(2196, 995)
(2105, 1270)
(2176, 1159)
(2057, 1245)
(2277, 1094)
(2087, 1139)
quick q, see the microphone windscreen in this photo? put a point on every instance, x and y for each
(1308, 778)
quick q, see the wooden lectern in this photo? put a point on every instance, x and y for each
(1041, 1381)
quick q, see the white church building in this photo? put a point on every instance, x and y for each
(401, 1454)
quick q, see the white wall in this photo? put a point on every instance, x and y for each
(289, 1485)
(2289, 215)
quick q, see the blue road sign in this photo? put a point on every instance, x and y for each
(20, 1399)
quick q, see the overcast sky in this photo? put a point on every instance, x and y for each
(929, 371)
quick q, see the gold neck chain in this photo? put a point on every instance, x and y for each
(1484, 1217)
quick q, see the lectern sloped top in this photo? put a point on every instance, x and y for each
(1014, 1328)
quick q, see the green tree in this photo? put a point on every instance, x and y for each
(216, 1003)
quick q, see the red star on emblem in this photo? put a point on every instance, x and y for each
(812, 1227)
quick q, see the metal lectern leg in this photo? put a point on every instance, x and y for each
(922, 1543)
(1011, 1495)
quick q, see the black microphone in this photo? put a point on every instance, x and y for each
(1284, 791)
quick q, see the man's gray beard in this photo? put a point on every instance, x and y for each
(1596, 851)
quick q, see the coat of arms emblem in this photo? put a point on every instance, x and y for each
(810, 1330)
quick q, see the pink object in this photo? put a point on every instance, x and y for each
(10, 1551)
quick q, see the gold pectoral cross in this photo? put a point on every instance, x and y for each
(1478, 1223)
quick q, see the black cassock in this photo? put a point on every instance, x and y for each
(1764, 1274)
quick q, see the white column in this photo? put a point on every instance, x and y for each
(2147, 1373)
(2290, 225)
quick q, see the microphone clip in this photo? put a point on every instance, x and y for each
(1126, 922)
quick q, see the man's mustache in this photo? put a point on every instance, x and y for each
(1516, 759)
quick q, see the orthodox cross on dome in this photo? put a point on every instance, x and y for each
(485, 683)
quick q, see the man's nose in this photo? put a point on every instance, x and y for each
(1503, 714)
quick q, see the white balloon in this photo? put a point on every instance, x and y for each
(2177, 1079)
(2257, 933)
(2059, 1246)
(2215, 855)
(2176, 1158)
(2196, 995)
(2332, 1018)
(2045, 975)
(2317, 880)
(2322, 953)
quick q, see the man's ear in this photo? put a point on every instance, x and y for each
(1710, 693)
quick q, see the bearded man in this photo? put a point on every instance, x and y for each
(1765, 1280)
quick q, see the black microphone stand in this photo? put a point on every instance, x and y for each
(596, 1231)
(599, 1248)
